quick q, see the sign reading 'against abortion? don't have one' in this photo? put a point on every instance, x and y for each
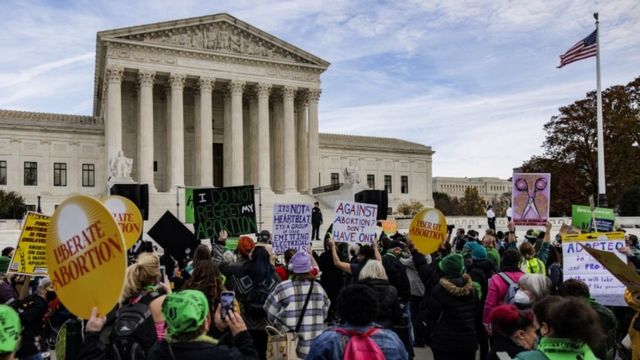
(354, 222)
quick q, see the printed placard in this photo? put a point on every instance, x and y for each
(354, 222)
(530, 198)
(231, 208)
(581, 265)
(86, 256)
(291, 227)
(128, 217)
(428, 230)
(389, 226)
(29, 257)
(583, 218)
(189, 217)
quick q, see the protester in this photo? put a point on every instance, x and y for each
(412, 264)
(286, 303)
(608, 321)
(498, 285)
(142, 282)
(632, 250)
(245, 247)
(480, 269)
(218, 247)
(316, 221)
(283, 270)
(374, 276)
(10, 328)
(332, 279)
(633, 300)
(253, 281)
(8, 294)
(202, 253)
(206, 278)
(513, 331)
(554, 268)
(358, 306)
(491, 218)
(188, 320)
(569, 330)
(365, 253)
(458, 241)
(532, 262)
(5, 259)
(33, 309)
(531, 288)
(491, 244)
(451, 311)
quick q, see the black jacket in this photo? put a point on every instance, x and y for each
(397, 274)
(242, 349)
(34, 308)
(480, 272)
(390, 313)
(503, 344)
(316, 216)
(452, 308)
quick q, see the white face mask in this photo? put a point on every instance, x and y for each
(522, 297)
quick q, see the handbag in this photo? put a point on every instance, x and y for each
(282, 344)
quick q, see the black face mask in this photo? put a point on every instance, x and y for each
(51, 295)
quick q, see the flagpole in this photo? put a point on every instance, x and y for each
(602, 186)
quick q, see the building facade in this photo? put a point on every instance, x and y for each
(208, 101)
(489, 188)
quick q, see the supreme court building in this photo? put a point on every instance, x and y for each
(207, 101)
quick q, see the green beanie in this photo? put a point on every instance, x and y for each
(10, 329)
(185, 311)
(452, 264)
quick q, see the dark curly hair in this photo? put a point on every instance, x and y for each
(358, 305)
(570, 318)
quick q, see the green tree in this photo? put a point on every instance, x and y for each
(501, 203)
(471, 204)
(570, 148)
(12, 205)
(410, 208)
(629, 202)
(444, 203)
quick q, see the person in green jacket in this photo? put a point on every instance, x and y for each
(569, 329)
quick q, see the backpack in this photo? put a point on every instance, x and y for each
(533, 266)
(134, 331)
(255, 300)
(510, 294)
(360, 346)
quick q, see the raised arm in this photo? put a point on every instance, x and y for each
(336, 260)
(376, 251)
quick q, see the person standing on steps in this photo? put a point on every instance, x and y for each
(316, 221)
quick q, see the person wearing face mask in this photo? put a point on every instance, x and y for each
(33, 309)
(531, 288)
(513, 331)
(568, 329)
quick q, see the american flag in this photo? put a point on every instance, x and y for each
(583, 49)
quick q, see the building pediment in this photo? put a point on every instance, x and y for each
(220, 34)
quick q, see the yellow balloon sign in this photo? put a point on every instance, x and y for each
(128, 217)
(86, 256)
(428, 230)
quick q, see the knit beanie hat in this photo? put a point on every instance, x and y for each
(10, 329)
(185, 311)
(478, 252)
(245, 245)
(300, 263)
(452, 264)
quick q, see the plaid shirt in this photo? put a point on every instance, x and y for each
(285, 303)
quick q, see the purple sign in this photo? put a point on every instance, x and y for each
(530, 198)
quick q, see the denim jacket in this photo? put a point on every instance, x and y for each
(330, 344)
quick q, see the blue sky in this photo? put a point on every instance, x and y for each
(476, 80)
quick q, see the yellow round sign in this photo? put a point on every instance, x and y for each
(128, 217)
(428, 230)
(86, 256)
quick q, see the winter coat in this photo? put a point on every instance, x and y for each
(452, 308)
(397, 275)
(558, 349)
(502, 344)
(496, 290)
(390, 312)
(332, 279)
(205, 349)
(480, 272)
(634, 334)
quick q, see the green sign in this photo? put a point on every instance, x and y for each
(582, 218)
(188, 206)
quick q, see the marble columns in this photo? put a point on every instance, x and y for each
(113, 126)
(145, 129)
(176, 130)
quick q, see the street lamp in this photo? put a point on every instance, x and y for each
(39, 209)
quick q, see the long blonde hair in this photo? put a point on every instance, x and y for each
(143, 273)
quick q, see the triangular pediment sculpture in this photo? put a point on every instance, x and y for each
(222, 34)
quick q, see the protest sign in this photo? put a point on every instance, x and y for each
(579, 264)
(173, 236)
(389, 226)
(230, 208)
(127, 216)
(189, 217)
(291, 227)
(354, 222)
(530, 198)
(29, 257)
(86, 256)
(624, 272)
(428, 230)
(582, 218)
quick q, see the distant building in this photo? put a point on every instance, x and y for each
(489, 188)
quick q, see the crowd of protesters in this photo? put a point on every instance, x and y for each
(493, 297)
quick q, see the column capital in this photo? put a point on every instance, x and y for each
(236, 87)
(177, 81)
(205, 84)
(263, 89)
(289, 92)
(115, 73)
(146, 77)
(313, 94)
(301, 99)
